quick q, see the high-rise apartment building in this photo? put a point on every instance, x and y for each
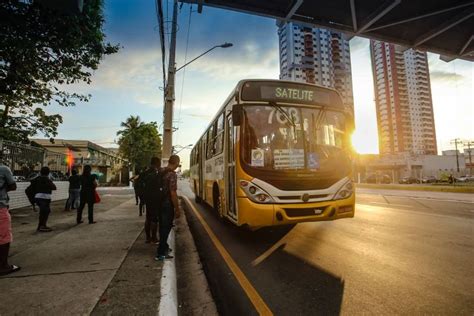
(403, 100)
(318, 56)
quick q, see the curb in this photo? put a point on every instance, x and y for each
(168, 289)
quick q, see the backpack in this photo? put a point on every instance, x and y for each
(156, 189)
(30, 192)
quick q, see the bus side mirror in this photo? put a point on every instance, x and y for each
(237, 115)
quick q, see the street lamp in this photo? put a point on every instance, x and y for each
(225, 45)
(169, 90)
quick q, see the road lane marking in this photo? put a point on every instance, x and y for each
(268, 252)
(248, 288)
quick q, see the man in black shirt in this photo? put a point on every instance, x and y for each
(74, 191)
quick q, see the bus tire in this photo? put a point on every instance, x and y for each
(216, 198)
(197, 198)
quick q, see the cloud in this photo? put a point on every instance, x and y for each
(439, 75)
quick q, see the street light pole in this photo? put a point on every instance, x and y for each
(169, 91)
(170, 87)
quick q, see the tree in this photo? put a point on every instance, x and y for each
(42, 51)
(139, 141)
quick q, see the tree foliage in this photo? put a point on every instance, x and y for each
(139, 141)
(42, 51)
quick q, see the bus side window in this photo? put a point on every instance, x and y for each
(210, 141)
(219, 138)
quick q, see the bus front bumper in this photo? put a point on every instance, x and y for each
(259, 215)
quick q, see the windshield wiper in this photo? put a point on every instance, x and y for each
(288, 118)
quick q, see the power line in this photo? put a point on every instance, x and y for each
(159, 8)
(184, 70)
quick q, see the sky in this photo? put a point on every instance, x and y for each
(130, 82)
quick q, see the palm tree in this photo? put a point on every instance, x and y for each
(130, 125)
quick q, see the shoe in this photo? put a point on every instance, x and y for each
(45, 229)
(80, 222)
(170, 250)
(147, 241)
(162, 258)
(92, 222)
(13, 268)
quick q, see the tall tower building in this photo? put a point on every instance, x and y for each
(403, 100)
(318, 56)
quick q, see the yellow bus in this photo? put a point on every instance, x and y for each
(277, 152)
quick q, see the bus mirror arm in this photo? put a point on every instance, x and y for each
(237, 115)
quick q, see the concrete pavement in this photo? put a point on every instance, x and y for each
(68, 270)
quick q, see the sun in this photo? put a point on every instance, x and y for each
(364, 142)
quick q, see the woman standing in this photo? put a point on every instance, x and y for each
(88, 185)
(43, 187)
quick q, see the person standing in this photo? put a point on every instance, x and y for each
(7, 183)
(150, 196)
(169, 206)
(87, 195)
(43, 188)
(74, 191)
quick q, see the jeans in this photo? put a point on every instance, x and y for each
(90, 210)
(166, 217)
(73, 199)
(44, 210)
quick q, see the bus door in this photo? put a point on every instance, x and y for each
(201, 162)
(230, 169)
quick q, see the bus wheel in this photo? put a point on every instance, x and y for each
(196, 197)
(217, 201)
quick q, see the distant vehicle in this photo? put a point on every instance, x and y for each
(32, 175)
(464, 179)
(287, 162)
(386, 179)
(430, 179)
(408, 180)
(19, 178)
(371, 179)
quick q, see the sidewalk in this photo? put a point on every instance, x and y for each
(68, 270)
(101, 269)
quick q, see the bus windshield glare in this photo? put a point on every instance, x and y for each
(281, 138)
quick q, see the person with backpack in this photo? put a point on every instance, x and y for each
(43, 188)
(87, 195)
(150, 194)
(7, 183)
(74, 191)
(169, 206)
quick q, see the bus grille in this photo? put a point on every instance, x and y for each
(299, 212)
(298, 197)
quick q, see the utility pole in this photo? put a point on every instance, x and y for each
(169, 90)
(456, 142)
(469, 144)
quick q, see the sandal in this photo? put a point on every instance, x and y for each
(13, 268)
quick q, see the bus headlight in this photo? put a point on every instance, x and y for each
(255, 193)
(345, 191)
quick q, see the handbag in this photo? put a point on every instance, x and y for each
(96, 197)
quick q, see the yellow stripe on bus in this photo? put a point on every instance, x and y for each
(252, 294)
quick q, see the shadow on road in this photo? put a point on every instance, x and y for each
(287, 283)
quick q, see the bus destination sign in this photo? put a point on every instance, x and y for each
(288, 92)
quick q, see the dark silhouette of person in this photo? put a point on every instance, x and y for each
(88, 185)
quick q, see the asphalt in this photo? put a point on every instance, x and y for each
(403, 253)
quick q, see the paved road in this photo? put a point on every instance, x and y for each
(399, 255)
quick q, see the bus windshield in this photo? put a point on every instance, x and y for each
(282, 138)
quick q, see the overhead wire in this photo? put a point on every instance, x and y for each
(184, 70)
(159, 8)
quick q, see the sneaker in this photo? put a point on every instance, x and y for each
(162, 258)
(45, 229)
